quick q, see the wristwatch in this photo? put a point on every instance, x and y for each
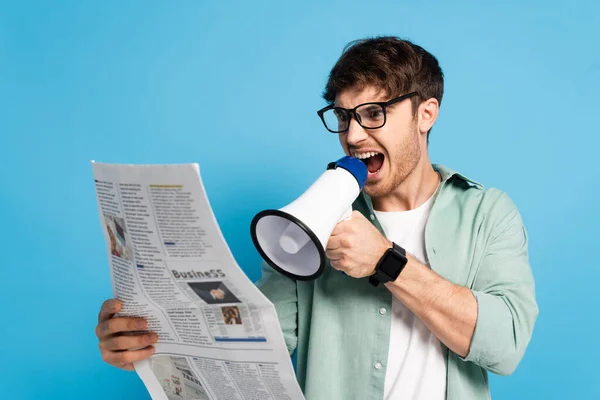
(389, 266)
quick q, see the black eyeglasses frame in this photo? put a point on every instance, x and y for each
(352, 112)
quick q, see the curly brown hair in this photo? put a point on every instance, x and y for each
(394, 65)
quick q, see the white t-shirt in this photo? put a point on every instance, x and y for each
(416, 367)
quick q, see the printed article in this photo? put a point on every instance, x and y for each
(219, 337)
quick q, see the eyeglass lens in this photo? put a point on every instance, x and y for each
(368, 116)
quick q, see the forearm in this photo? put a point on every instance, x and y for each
(448, 310)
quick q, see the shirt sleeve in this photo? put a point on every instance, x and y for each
(282, 292)
(505, 292)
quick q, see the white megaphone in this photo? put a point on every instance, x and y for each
(293, 239)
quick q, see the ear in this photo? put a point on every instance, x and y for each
(427, 114)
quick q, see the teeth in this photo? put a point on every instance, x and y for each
(363, 156)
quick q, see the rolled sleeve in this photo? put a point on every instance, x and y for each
(505, 292)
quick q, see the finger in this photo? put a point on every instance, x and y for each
(339, 228)
(339, 243)
(336, 264)
(334, 255)
(336, 231)
(357, 214)
(126, 342)
(109, 308)
(333, 243)
(120, 324)
(127, 367)
(123, 358)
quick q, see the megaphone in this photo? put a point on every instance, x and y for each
(292, 240)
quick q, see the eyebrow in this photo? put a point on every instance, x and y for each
(349, 108)
(379, 99)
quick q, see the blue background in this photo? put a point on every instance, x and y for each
(235, 86)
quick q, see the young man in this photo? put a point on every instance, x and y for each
(437, 288)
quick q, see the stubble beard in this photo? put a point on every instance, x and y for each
(406, 158)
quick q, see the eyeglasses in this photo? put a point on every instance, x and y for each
(368, 115)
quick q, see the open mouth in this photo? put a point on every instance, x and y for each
(373, 160)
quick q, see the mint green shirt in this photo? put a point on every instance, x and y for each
(474, 238)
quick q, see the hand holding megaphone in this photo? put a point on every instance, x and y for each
(293, 239)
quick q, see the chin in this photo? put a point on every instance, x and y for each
(377, 189)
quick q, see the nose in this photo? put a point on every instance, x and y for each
(355, 133)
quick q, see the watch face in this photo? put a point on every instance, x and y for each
(392, 264)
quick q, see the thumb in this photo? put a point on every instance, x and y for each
(357, 214)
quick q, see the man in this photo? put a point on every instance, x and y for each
(436, 288)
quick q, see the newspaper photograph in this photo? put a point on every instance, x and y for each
(218, 335)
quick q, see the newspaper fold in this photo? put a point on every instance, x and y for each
(219, 337)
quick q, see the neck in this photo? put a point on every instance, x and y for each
(415, 190)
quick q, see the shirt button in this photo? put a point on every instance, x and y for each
(377, 365)
(372, 217)
(382, 311)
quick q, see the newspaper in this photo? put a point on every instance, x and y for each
(219, 336)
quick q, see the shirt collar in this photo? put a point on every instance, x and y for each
(446, 174)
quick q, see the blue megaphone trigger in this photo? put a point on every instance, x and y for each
(357, 168)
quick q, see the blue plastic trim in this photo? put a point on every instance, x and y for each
(355, 167)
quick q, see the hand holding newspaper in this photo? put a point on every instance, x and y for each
(218, 335)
